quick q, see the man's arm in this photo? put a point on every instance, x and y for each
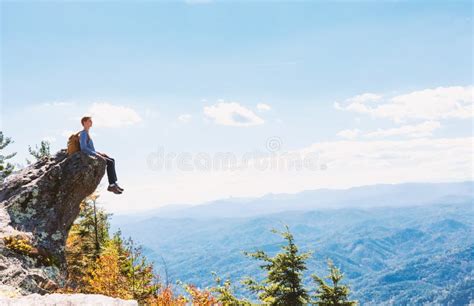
(83, 144)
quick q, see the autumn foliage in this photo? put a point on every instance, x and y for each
(102, 264)
(99, 263)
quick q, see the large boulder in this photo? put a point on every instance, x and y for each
(37, 208)
(77, 299)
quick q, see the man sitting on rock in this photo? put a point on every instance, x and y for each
(87, 146)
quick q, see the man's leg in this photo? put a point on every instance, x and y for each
(111, 175)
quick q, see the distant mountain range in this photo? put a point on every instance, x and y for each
(383, 195)
(397, 244)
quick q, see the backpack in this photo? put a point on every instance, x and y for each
(73, 144)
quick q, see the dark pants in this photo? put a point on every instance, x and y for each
(111, 175)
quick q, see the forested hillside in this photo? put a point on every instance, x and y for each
(402, 255)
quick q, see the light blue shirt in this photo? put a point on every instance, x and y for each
(86, 143)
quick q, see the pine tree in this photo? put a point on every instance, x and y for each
(225, 292)
(129, 271)
(6, 168)
(39, 153)
(283, 285)
(87, 237)
(333, 294)
(98, 263)
(139, 273)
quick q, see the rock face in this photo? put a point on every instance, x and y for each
(37, 208)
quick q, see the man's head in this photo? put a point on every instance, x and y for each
(86, 122)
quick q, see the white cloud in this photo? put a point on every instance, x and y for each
(419, 130)
(424, 129)
(349, 134)
(113, 116)
(232, 114)
(398, 160)
(263, 107)
(185, 118)
(366, 97)
(429, 104)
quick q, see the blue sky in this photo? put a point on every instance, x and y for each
(189, 76)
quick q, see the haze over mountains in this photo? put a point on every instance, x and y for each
(383, 195)
(397, 244)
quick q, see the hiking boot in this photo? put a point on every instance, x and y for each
(114, 189)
